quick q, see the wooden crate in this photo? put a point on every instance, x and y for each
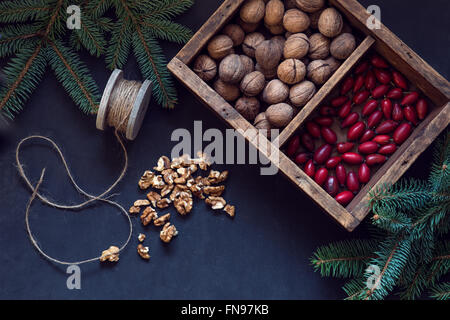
(383, 41)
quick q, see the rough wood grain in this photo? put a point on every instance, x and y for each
(323, 92)
(218, 20)
(398, 53)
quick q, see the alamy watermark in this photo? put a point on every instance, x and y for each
(374, 21)
(74, 280)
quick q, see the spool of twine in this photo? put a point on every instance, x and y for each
(123, 106)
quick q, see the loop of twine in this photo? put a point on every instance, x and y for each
(120, 106)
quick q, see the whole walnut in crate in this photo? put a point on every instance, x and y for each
(319, 71)
(291, 71)
(251, 42)
(310, 6)
(275, 92)
(247, 27)
(261, 123)
(228, 91)
(330, 23)
(319, 46)
(342, 46)
(235, 33)
(280, 41)
(301, 93)
(252, 11)
(248, 107)
(274, 13)
(253, 83)
(220, 46)
(295, 21)
(280, 114)
(205, 67)
(296, 46)
(333, 63)
(268, 54)
(268, 73)
(231, 69)
(314, 19)
(249, 66)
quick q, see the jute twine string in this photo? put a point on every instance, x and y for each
(121, 103)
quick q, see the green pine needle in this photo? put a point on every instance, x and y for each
(441, 291)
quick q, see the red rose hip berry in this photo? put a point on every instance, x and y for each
(352, 158)
(368, 147)
(344, 197)
(352, 181)
(321, 176)
(364, 173)
(331, 186)
(323, 153)
(402, 133)
(356, 131)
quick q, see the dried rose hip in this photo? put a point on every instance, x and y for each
(368, 147)
(313, 129)
(332, 162)
(399, 80)
(382, 139)
(410, 114)
(344, 197)
(347, 85)
(350, 120)
(370, 81)
(388, 149)
(328, 135)
(397, 113)
(369, 107)
(402, 133)
(410, 98)
(301, 158)
(383, 76)
(380, 91)
(321, 176)
(374, 159)
(341, 174)
(345, 110)
(331, 186)
(322, 153)
(374, 119)
(364, 173)
(395, 93)
(378, 62)
(294, 143)
(356, 131)
(422, 109)
(367, 136)
(324, 121)
(310, 169)
(352, 181)
(308, 141)
(344, 147)
(352, 158)
(386, 126)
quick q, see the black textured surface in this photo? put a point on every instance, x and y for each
(262, 254)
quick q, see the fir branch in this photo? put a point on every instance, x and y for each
(97, 8)
(166, 9)
(119, 48)
(74, 76)
(90, 36)
(23, 73)
(167, 30)
(21, 11)
(344, 259)
(441, 291)
(16, 37)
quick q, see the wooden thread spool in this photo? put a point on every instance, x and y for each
(136, 109)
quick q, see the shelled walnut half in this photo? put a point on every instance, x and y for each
(168, 232)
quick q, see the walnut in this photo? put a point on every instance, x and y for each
(310, 5)
(214, 190)
(333, 63)
(228, 91)
(183, 203)
(111, 255)
(330, 23)
(141, 237)
(146, 180)
(253, 83)
(163, 203)
(169, 175)
(248, 107)
(342, 46)
(296, 46)
(319, 46)
(235, 33)
(230, 210)
(215, 177)
(140, 203)
(319, 71)
(148, 215)
(275, 91)
(301, 93)
(295, 21)
(249, 66)
(261, 123)
(291, 71)
(247, 27)
(252, 11)
(166, 190)
(220, 46)
(205, 67)
(268, 54)
(158, 182)
(314, 18)
(268, 73)
(274, 13)
(290, 4)
(161, 220)
(176, 191)
(216, 203)
(251, 42)
(168, 232)
(231, 69)
(163, 163)
(203, 160)
(276, 29)
(280, 114)
(143, 252)
(280, 40)
(134, 210)
(153, 197)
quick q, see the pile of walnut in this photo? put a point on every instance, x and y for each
(176, 184)
(301, 46)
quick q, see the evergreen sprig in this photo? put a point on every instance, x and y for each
(409, 251)
(34, 36)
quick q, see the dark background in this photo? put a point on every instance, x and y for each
(262, 254)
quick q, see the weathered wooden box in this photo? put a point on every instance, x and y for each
(383, 41)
